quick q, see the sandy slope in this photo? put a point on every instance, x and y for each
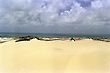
(84, 56)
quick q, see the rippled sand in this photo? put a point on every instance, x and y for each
(35, 56)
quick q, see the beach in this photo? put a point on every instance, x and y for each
(58, 56)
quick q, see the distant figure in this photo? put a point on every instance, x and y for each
(72, 39)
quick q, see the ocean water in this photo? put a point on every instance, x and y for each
(53, 35)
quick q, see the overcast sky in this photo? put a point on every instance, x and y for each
(55, 16)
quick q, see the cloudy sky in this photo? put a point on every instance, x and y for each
(55, 16)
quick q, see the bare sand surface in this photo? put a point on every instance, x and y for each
(35, 56)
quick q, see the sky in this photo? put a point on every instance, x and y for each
(55, 16)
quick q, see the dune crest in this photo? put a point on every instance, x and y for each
(37, 56)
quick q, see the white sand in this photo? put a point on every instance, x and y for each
(83, 56)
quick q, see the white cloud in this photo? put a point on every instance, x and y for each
(57, 13)
(106, 3)
(97, 4)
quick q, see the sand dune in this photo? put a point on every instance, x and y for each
(35, 56)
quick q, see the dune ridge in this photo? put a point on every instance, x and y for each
(64, 56)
